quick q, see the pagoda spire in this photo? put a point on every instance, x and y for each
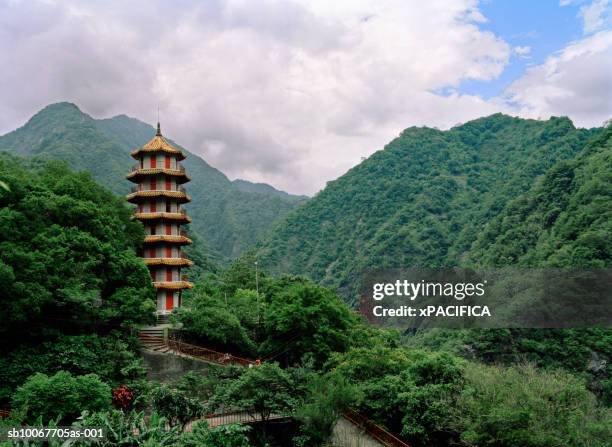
(158, 130)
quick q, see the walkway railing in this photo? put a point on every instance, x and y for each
(374, 430)
(199, 352)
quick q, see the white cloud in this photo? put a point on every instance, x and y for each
(596, 16)
(292, 93)
(576, 82)
(522, 51)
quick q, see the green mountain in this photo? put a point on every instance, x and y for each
(422, 201)
(227, 219)
(263, 188)
(565, 220)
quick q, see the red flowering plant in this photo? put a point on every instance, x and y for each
(122, 397)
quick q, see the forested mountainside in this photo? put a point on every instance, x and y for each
(422, 201)
(226, 218)
(564, 220)
(264, 188)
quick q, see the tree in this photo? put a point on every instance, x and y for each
(174, 405)
(68, 259)
(60, 396)
(262, 391)
(210, 322)
(523, 406)
(306, 319)
(327, 400)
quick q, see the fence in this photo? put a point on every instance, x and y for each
(374, 430)
(199, 352)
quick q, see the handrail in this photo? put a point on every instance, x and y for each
(5, 414)
(373, 429)
(200, 352)
(137, 167)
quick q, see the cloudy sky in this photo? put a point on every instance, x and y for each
(294, 93)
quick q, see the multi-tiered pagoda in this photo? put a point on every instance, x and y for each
(158, 197)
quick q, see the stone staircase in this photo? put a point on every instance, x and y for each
(152, 339)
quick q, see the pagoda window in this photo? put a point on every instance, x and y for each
(168, 252)
(168, 206)
(151, 252)
(153, 207)
(141, 163)
(153, 184)
(168, 274)
(153, 161)
(168, 229)
(167, 161)
(168, 184)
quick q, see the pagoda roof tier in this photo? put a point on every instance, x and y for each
(138, 196)
(182, 262)
(173, 285)
(179, 217)
(138, 174)
(158, 144)
(172, 239)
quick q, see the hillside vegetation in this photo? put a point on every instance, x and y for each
(226, 218)
(422, 201)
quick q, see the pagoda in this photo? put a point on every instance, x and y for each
(159, 196)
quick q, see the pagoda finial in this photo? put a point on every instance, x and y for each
(158, 127)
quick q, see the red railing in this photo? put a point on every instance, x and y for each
(5, 414)
(199, 352)
(137, 167)
(374, 430)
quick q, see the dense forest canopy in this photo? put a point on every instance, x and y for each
(228, 217)
(72, 283)
(421, 201)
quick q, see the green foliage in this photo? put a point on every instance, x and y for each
(327, 400)
(110, 357)
(197, 385)
(227, 218)
(411, 392)
(130, 429)
(174, 405)
(67, 254)
(565, 220)
(523, 406)
(60, 396)
(263, 391)
(306, 319)
(232, 435)
(211, 322)
(421, 201)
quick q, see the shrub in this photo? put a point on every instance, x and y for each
(60, 396)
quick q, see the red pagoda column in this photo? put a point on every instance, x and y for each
(158, 196)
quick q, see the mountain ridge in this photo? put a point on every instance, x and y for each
(226, 219)
(420, 201)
